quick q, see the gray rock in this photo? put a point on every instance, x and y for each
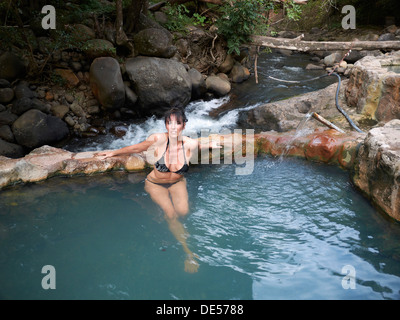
(106, 82)
(377, 170)
(22, 90)
(35, 128)
(159, 83)
(6, 133)
(59, 111)
(6, 117)
(11, 150)
(199, 87)
(218, 86)
(387, 37)
(333, 58)
(6, 95)
(239, 73)
(154, 42)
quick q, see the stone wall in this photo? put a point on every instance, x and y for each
(374, 89)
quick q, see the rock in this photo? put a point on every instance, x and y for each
(333, 58)
(239, 73)
(11, 67)
(218, 86)
(6, 133)
(6, 117)
(199, 87)
(343, 64)
(182, 46)
(81, 33)
(21, 105)
(377, 168)
(389, 102)
(68, 76)
(5, 83)
(22, 90)
(59, 111)
(106, 82)
(311, 66)
(159, 83)
(77, 109)
(160, 17)
(6, 95)
(119, 131)
(145, 22)
(387, 37)
(34, 129)
(391, 29)
(227, 65)
(373, 90)
(354, 55)
(130, 96)
(154, 42)
(11, 150)
(96, 48)
(287, 114)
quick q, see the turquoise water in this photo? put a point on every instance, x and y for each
(283, 232)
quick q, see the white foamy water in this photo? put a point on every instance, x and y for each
(199, 124)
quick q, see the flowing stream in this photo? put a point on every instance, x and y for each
(245, 96)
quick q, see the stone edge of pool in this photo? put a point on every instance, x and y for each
(372, 159)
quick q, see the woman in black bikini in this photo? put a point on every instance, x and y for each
(166, 183)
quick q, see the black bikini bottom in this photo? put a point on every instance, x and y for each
(165, 185)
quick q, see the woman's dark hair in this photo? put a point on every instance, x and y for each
(177, 112)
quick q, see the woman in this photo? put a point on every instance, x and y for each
(166, 183)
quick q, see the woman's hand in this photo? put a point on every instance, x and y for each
(104, 155)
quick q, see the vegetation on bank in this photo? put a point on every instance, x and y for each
(234, 21)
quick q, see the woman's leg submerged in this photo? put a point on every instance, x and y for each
(161, 196)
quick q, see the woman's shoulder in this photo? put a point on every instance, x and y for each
(157, 137)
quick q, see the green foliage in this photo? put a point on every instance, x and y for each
(293, 10)
(177, 17)
(248, 17)
(239, 22)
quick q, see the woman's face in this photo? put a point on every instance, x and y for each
(174, 126)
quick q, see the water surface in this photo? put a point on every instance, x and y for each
(283, 232)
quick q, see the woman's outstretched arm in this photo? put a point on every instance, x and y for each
(136, 148)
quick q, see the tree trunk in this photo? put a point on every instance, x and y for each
(120, 38)
(133, 14)
(306, 46)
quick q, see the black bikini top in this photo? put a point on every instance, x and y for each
(161, 166)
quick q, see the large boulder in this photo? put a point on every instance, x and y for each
(288, 114)
(159, 83)
(10, 150)
(96, 48)
(377, 168)
(35, 128)
(154, 42)
(106, 82)
(373, 89)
